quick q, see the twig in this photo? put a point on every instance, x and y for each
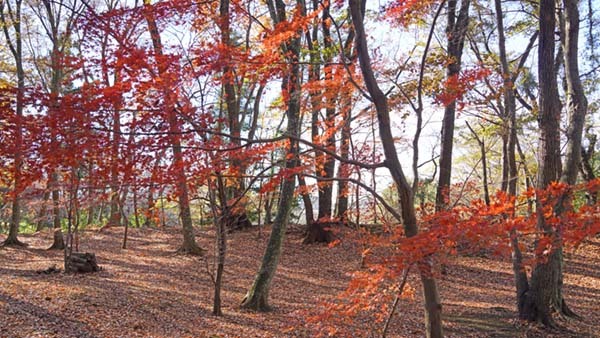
(395, 304)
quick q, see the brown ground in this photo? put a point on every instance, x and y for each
(149, 291)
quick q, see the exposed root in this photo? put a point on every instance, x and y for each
(13, 242)
(191, 250)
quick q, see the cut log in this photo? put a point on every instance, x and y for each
(81, 262)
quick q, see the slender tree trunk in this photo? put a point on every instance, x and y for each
(220, 218)
(456, 31)
(269, 208)
(308, 208)
(59, 242)
(189, 240)
(15, 45)
(239, 214)
(42, 219)
(318, 230)
(483, 150)
(509, 159)
(258, 296)
(135, 205)
(433, 307)
(587, 169)
(343, 172)
(115, 212)
(346, 134)
(152, 217)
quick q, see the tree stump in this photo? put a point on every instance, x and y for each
(81, 262)
(238, 222)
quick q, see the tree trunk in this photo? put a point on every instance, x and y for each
(16, 48)
(483, 151)
(59, 243)
(115, 211)
(346, 134)
(308, 208)
(220, 218)
(135, 205)
(257, 297)
(509, 159)
(433, 308)
(343, 171)
(189, 245)
(239, 216)
(456, 31)
(540, 300)
(577, 109)
(317, 230)
(42, 219)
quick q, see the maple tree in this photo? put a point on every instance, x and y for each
(207, 115)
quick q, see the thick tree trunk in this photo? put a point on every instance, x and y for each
(326, 187)
(540, 300)
(577, 108)
(433, 308)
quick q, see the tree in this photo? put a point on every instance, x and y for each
(456, 31)
(189, 242)
(319, 230)
(433, 320)
(544, 295)
(11, 22)
(544, 284)
(257, 297)
(58, 19)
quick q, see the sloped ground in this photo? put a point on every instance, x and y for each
(148, 290)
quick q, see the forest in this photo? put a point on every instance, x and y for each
(299, 168)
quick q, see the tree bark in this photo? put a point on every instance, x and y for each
(58, 239)
(540, 300)
(318, 230)
(42, 219)
(257, 297)
(189, 244)
(308, 208)
(433, 307)
(456, 31)
(509, 159)
(577, 109)
(16, 48)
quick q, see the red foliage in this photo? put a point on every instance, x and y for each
(464, 229)
(455, 87)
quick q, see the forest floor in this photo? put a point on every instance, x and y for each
(148, 290)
